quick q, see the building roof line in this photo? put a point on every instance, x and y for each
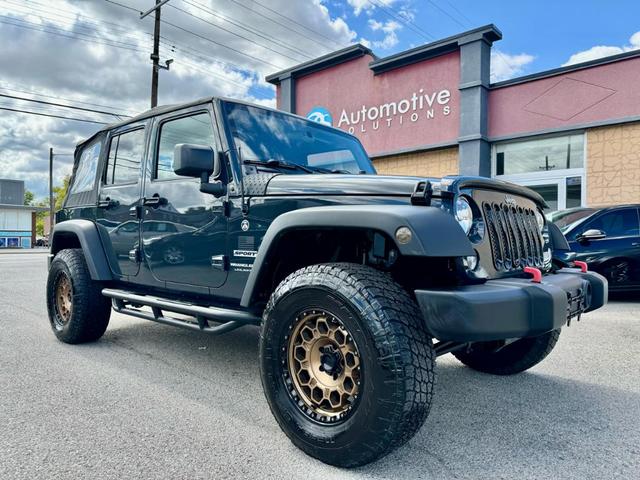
(489, 33)
(568, 68)
(329, 60)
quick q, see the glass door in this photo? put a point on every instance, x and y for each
(559, 192)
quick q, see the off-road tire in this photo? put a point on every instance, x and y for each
(514, 358)
(395, 351)
(90, 310)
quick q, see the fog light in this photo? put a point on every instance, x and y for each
(403, 235)
(471, 262)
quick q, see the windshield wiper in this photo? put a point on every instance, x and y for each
(272, 163)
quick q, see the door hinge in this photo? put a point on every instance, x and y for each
(226, 208)
(220, 262)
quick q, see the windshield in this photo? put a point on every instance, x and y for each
(264, 135)
(567, 219)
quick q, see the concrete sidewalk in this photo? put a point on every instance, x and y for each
(9, 251)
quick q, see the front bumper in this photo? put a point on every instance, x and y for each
(510, 308)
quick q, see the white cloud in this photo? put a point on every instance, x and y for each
(389, 29)
(118, 78)
(368, 6)
(505, 65)
(600, 51)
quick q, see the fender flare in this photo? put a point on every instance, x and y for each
(87, 234)
(435, 232)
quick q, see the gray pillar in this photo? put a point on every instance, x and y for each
(474, 154)
(288, 94)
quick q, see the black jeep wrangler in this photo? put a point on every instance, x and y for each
(218, 214)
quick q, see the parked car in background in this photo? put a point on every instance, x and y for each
(608, 239)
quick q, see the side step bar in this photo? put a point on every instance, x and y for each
(229, 319)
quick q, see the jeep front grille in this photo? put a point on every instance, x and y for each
(514, 236)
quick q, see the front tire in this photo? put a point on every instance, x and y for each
(499, 359)
(78, 312)
(346, 364)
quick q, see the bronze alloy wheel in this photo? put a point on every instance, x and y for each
(323, 370)
(64, 300)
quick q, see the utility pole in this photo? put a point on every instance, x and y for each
(155, 56)
(51, 206)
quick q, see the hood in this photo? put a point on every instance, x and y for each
(376, 185)
(331, 184)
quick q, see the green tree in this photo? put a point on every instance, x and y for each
(28, 197)
(60, 192)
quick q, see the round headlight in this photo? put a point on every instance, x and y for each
(540, 220)
(464, 214)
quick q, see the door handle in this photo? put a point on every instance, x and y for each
(107, 203)
(154, 201)
(635, 244)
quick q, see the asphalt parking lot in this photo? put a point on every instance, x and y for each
(152, 401)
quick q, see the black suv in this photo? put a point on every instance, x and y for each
(218, 214)
(608, 238)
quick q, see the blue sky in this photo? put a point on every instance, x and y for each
(548, 31)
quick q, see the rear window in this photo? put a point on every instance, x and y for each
(85, 176)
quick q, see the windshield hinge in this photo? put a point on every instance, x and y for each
(422, 194)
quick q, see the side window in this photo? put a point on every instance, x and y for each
(618, 223)
(85, 175)
(125, 156)
(195, 129)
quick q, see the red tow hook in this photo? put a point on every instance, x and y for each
(583, 265)
(535, 273)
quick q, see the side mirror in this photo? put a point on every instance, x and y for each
(592, 234)
(198, 161)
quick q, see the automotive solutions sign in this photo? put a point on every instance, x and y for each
(408, 107)
(419, 106)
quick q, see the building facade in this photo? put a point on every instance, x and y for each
(17, 221)
(572, 133)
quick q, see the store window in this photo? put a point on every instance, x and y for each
(551, 166)
(541, 155)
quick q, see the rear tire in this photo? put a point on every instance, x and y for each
(78, 312)
(388, 352)
(514, 358)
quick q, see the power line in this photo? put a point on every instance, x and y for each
(203, 37)
(75, 33)
(469, 24)
(30, 92)
(447, 13)
(292, 21)
(459, 12)
(14, 97)
(51, 115)
(245, 27)
(221, 44)
(98, 23)
(404, 21)
(69, 36)
(236, 34)
(42, 8)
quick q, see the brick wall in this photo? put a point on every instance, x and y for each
(613, 165)
(432, 163)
